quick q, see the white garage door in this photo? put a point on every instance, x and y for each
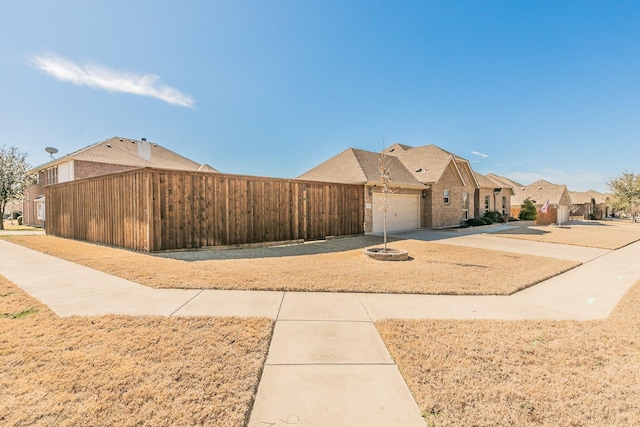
(403, 212)
(563, 214)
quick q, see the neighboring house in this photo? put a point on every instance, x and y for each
(583, 206)
(109, 156)
(602, 208)
(430, 187)
(492, 195)
(541, 192)
(589, 205)
(13, 209)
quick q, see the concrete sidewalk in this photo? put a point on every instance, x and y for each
(327, 365)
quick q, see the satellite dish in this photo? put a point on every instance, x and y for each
(51, 151)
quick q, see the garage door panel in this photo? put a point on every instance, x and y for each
(403, 212)
(563, 214)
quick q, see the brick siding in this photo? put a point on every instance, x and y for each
(83, 169)
(450, 214)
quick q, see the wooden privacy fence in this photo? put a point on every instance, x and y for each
(541, 218)
(550, 217)
(156, 209)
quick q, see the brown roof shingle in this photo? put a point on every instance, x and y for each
(579, 198)
(354, 166)
(516, 186)
(540, 191)
(600, 198)
(418, 166)
(131, 152)
(486, 182)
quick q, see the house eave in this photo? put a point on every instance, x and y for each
(50, 164)
(397, 185)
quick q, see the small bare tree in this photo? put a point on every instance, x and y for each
(385, 178)
(385, 253)
(386, 190)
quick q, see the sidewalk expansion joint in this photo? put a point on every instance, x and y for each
(277, 319)
(364, 307)
(185, 303)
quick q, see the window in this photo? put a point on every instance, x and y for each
(446, 197)
(465, 205)
(52, 175)
(504, 205)
(40, 210)
(486, 204)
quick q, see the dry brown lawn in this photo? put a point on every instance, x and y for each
(13, 226)
(434, 269)
(204, 371)
(523, 373)
(125, 371)
(600, 234)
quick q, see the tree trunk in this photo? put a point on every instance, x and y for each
(384, 204)
(2, 206)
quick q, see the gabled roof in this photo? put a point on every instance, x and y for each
(598, 197)
(409, 166)
(429, 162)
(206, 168)
(395, 149)
(130, 152)
(418, 166)
(354, 166)
(580, 198)
(540, 191)
(486, 182)
(516, 186)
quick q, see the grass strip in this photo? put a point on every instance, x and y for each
(525, 373)
(123, 370)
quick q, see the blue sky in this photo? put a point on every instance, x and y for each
(524, 89)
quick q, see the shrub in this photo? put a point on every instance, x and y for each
(20, 220)
(475, 222)
(528, 211)
(493, 216)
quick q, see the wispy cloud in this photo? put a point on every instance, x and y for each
(99, 77)
(477, 153)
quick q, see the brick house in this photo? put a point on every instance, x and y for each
(582, 205)
(109, 156)
(541, 192)
(588, 205)
(431, 187)
(602, 208)
(492, 195)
